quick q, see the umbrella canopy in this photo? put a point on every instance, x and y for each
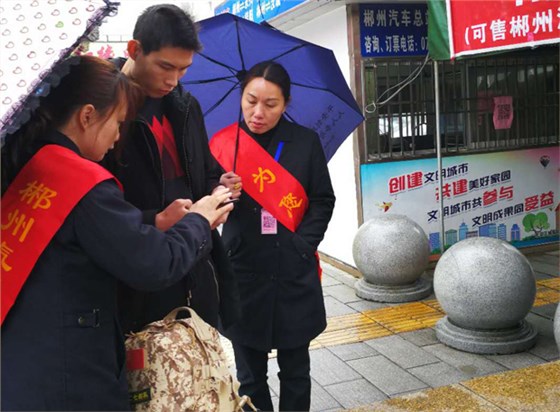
(321, 99)
(34, 36)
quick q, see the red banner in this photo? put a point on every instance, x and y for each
(477, 26)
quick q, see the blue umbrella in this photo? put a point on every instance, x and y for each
(321, 99)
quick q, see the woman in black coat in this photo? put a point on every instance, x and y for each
(273, 252)
(62, 347)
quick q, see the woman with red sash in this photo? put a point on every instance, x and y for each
(272, 237)
(68, 236)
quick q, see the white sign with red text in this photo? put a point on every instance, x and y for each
(476, 26)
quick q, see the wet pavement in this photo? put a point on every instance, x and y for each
(386, 357)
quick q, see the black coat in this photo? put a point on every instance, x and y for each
(140, 172)
(50, 359)
(280, 291)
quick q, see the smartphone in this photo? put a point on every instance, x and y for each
(227, 202)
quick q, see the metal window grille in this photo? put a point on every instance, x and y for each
(404, 127)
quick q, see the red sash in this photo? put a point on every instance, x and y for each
(264, 179)
(34, 207)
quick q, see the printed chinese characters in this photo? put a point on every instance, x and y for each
(290, 202)
(264, 175)
(34, 197)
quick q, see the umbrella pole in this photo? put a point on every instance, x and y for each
(236, 149)
(236, 141)
(438, 153)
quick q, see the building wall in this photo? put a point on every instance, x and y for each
(330, 30)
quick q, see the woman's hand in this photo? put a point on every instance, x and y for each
(233, 183)
(173, 213)
(209, 207)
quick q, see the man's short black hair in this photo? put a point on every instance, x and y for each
(166, 25)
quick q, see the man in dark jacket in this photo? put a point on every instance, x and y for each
(164, 161)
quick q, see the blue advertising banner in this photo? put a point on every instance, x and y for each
(393, 30)
(256, 10)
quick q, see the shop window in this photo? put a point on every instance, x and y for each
(498, 102)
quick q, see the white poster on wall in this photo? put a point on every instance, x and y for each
(507, 195)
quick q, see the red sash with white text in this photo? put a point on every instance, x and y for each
(264, 179)
(34, 207)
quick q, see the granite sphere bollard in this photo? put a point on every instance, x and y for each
(486, 287)
(557, 327)
(392, 252)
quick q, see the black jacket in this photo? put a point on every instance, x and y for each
(281, 297)
(140, 172)
(52, 360)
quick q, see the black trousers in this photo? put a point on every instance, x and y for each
(295, 381)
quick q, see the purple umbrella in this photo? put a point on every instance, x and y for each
(321, 99)
(35, 35)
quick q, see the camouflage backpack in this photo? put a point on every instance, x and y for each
(179, 365)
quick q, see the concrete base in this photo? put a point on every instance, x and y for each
(393, 293)
(487, 342)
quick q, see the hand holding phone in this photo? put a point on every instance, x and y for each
(227, 202)
(208, 207)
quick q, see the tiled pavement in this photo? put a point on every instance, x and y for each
(386, 357)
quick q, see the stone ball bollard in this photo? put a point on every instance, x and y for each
(557, 327)
(486, 287)
(392, 252)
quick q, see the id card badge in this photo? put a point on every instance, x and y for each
(269, 224)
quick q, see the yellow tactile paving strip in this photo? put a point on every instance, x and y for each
(536, 388)
(356, 328)
(553, 283)
(453, 398)
(371, 324)
(408, 317)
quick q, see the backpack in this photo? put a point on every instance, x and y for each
(179, 365)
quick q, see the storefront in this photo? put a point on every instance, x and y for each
(498, 123)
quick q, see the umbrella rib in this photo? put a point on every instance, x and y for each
(293, 49)
(219, 63)
(221, 99)
(239, 45)
(299, 46)
(216, 79)
(290, 117)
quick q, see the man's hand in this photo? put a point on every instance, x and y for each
(208, 207)
(233, 183)
(173, 213)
